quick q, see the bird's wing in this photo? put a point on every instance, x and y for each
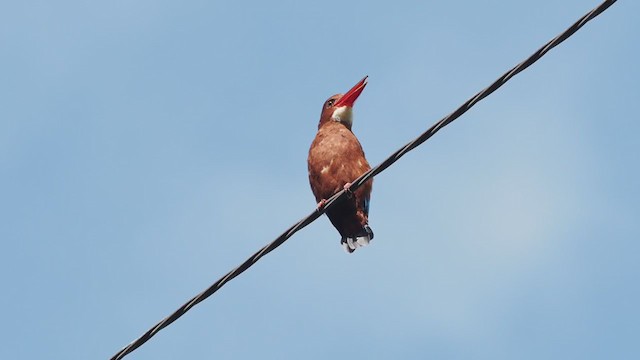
(365, 204)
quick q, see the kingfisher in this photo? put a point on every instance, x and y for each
(335, 159)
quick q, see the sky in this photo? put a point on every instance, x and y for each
(148, 147)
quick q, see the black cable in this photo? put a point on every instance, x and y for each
(363, 178)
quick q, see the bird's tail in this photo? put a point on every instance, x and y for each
(362, 238)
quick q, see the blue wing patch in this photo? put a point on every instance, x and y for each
(365, 204)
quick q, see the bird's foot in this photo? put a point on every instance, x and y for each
(322, 203)
(348, 190)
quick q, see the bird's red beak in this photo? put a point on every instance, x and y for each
(351, 96)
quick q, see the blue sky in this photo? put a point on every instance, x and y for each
(148, 147)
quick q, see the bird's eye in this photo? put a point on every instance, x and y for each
(330, 102)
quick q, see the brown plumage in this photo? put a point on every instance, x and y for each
(335, 159)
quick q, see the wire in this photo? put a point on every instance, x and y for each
(363, 178)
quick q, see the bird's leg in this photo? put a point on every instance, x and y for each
(347, 190)
(322, 203)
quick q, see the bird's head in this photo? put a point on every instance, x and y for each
(339, 107)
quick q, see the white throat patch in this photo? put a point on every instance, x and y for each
(343, 114)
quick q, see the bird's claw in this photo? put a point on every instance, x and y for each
(322, 203)
(348, 190)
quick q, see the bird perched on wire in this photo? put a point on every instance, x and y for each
(335, 159)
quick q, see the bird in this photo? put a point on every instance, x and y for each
(335, 159)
